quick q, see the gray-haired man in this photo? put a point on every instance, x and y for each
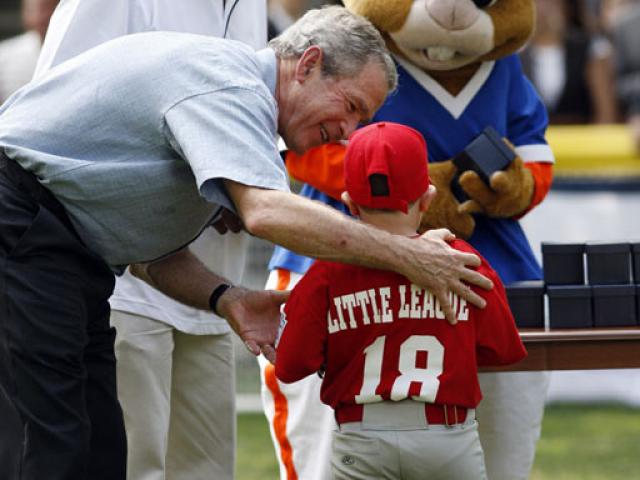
(113, 158)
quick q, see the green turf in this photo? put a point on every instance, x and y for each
(255, 457)
(589, 443)
(578, 443)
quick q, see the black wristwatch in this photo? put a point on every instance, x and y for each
(215, 296)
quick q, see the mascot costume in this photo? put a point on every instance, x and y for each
(458, 74)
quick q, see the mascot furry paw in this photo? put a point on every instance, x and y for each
(508, 195)
(441, 214)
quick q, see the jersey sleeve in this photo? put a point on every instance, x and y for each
(542, 178)
(301, 349)
(321, 167)
(497, 339)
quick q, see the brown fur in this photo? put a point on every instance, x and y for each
(514, 21)
(440, 213)
(386, 15)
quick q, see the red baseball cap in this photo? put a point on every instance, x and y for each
(386, 166)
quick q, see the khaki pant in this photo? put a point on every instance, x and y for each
(390, 444)
(178, 397)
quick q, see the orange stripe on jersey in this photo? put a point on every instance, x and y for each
(284, 277)
(280, 418)
(280, 401)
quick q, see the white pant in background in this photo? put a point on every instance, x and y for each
(509, 417)
(177, 393)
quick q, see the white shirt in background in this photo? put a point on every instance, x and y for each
(18, 57)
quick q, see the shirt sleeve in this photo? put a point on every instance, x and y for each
(74, 28)
(497, 339)
(227, 134)
(301, 350)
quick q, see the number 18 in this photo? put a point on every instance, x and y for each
(409, 373)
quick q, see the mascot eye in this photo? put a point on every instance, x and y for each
(484, 3)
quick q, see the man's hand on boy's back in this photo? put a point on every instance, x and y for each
(448, 271)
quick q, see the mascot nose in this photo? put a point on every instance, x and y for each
(453, 14)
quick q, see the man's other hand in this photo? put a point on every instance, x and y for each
(254, 315)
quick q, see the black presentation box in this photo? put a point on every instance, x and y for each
(614, 305)
(526, 300)
(570, 306)
(635, 254)
(608, 263)
(563, 263)
(486, 154)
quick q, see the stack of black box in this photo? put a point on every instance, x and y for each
(610, 296)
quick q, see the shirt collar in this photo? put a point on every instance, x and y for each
(268, 68)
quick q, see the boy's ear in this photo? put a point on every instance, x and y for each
(427, 197)
(311, 58)
(348, 201)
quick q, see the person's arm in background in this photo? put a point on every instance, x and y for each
(601, 81)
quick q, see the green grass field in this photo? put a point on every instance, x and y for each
(578, 443)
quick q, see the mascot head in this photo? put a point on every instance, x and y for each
(441, 35)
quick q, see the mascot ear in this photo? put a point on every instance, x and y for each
(514, 22)
(386, 15)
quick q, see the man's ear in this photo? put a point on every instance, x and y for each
(310, 59)
(427, 197)
(348, 201)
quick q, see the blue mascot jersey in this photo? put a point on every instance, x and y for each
(498, 95)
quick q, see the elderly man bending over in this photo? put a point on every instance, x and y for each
(123, 155)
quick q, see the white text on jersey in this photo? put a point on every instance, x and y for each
(416, 303)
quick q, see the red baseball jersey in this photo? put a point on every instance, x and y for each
(379, 337)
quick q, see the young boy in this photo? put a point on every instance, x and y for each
(402, 380)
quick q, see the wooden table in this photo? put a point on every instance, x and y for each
(578, 349)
